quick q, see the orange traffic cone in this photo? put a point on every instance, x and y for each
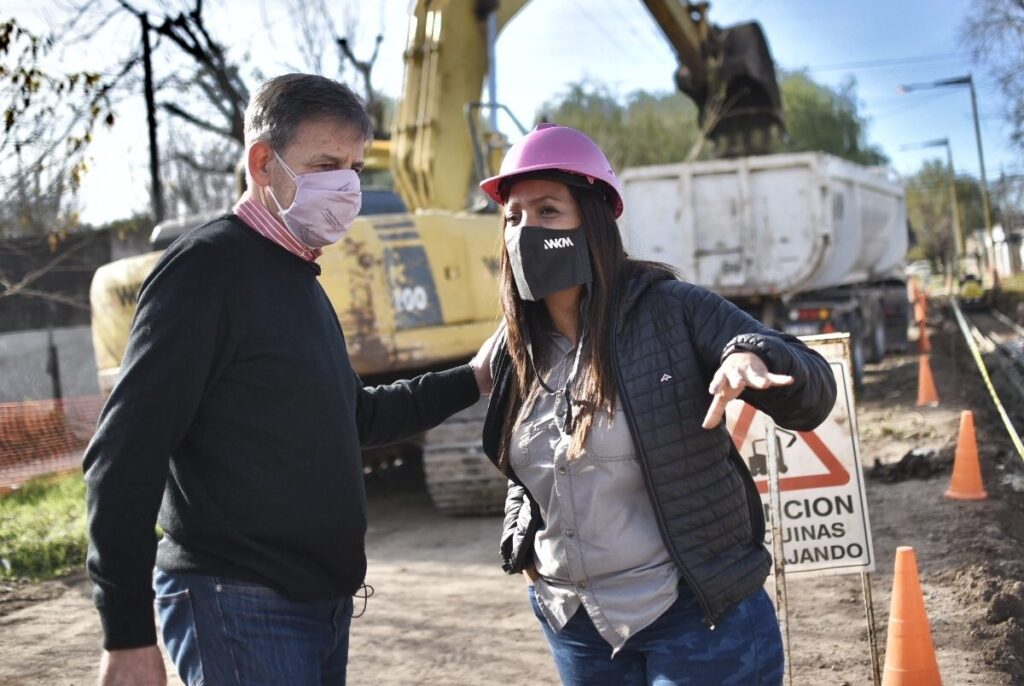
(924, 344)
(909, 651)
(921, 308)
(926, 393)
(966, 481)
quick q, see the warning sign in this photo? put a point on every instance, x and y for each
(825, 527)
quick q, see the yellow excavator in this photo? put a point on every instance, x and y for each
(414, 281)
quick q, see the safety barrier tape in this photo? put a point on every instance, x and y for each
(39, 437)
(967, 330)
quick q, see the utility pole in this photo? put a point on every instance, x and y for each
(958, 234)
(968, 81)
(53, 365)
(154, 150)
(957, 229)
(984, 185)
(52, 358)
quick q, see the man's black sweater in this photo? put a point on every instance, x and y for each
(239, 407)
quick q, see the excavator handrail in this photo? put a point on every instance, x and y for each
(478, 155)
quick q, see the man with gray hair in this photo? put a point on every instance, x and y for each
(237, 425)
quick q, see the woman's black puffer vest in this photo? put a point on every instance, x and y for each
(670, 338)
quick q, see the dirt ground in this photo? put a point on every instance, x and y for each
(444, 613)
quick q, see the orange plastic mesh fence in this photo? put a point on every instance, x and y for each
(44, 436)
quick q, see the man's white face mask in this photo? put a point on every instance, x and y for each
(325, 205)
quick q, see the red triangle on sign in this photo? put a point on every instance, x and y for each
(836, 475)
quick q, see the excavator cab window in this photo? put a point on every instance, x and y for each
(381, 201)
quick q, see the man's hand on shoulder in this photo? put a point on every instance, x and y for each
(133, 667)
(481, 362)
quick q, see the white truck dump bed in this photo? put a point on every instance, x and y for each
(767, 225)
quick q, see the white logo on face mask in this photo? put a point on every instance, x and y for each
(555, 243)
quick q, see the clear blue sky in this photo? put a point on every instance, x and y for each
(829, 32)
(553, 43)
(621, 45)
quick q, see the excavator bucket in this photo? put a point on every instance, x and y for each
(740, 105)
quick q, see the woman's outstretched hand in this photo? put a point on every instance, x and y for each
(739, 371)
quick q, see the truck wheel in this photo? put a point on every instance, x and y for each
(878, 340)
(858, 354)
(460, 478)
(857, 361)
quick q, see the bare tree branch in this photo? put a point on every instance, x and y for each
(994, 31)
(365, 68)
(210, 91)
(189, 33)
(171, 108)
(191, 163)
(316, 31)
(58, 298)
(84, 34)
(199, 173)
(21, 287)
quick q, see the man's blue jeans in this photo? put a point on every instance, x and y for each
(678, 649)
(223, 632)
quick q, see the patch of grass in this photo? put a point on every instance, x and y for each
(1011, 295)
(42, 528)
(1013, 283)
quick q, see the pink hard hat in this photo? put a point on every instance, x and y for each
(557, 148)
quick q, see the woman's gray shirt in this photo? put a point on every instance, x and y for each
(599, 546)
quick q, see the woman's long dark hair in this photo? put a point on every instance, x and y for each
(593, 390)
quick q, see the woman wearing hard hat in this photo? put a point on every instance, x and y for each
(629, 509)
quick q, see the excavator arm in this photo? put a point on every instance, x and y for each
(727, 72)
(432, 151)
(686, 29)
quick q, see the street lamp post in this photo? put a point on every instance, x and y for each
(958, 234)
(987, 208)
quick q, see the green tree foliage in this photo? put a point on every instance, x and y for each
(929, 209)
(1007, 195)
(49, 114)
(642, 128)
(827, 119)
(656, 128)
(995, 31)
(32, 95)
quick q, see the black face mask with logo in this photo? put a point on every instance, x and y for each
(545, 261)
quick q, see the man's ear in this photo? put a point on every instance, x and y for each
(259, 156)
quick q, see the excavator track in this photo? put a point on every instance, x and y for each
(460, 478)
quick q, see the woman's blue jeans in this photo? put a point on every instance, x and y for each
(678, 649)
(232, 633)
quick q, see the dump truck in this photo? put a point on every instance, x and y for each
(806, 242)
(414, 282)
